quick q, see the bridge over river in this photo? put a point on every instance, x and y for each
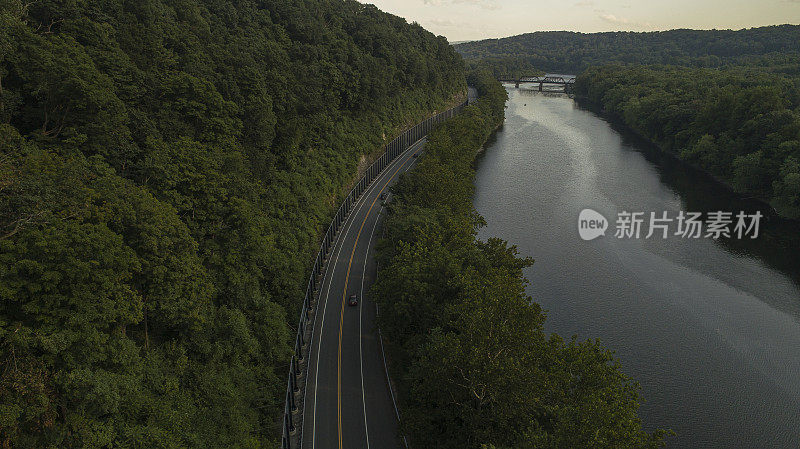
(550, 79)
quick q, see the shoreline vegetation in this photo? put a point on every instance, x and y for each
(620, 124)
(472, 364)
(742, 129)
(166, 170)
(725, 102)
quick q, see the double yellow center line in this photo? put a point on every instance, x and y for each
(344, 295)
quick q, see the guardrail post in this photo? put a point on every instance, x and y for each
(294, 375)
(298, 342)
(301, 338)
(292, 406)
(292, 381)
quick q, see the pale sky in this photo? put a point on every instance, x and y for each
(481, 19)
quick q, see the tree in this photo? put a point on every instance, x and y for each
(167, 168)
(472, 363)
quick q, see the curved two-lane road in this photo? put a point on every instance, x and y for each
(348, 403)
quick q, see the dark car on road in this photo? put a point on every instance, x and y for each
(353, 301)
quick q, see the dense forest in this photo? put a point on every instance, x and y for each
(725, 101)
(166, 167)
(740, 124)
(570, 52)
(473, 366)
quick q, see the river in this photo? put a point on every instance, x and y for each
(709, 328)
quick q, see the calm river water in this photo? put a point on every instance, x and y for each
(710, 329)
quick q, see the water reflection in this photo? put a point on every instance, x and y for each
(711, 329)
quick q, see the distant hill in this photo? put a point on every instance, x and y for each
(571, 52)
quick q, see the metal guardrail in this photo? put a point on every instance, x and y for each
(393, 149)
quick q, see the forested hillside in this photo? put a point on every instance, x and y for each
(741, 124)
(473, 365)
(725, 101)
(570, 52)
(166, 167)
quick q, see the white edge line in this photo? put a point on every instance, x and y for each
(329, 276)
(340, 242)
(360, 332)
(388, 381)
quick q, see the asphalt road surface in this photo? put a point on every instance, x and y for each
(348, 403)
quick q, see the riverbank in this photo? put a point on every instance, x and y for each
(741, 128)
(472, 364)
(709, 328)
(707, 193)
(644, 141)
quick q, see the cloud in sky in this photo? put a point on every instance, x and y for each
(446, 23)
(485, 4)
(460, 20)
(611, 18)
